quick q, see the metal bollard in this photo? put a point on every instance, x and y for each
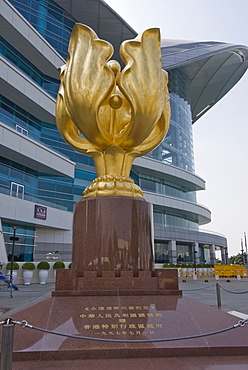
(7, 344)
(218, 295)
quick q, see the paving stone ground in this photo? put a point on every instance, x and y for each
(234, 294)
(234, 299)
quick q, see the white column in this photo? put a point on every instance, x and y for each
(172, 251)
(212, 254)
(224, 255)
(196, 251)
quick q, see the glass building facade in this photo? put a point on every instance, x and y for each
(49, 19)
(177, 147)
(166, 175)
(24, 246)
(49, 84)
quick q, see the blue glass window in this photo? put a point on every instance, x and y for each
(161, 251)
(54, 191)
(177, 147)
(50, 20)
(160, 186)
(174, 220)
(24, 247)
(184, 252)
(49, 84)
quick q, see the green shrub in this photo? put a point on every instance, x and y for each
(28, 266)
(199, 265)
(190, 265)
(178, 265)
(166, 265)
(70, 266)
(172, 265)
(43, 265)
(58, 265)
(184, 265)
(15, 266)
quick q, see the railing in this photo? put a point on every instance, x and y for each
(8, 337)
(224, 272)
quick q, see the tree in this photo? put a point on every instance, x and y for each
(238, 259)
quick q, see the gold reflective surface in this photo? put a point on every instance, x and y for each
(113, 115)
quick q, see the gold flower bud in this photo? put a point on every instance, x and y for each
(115, 101)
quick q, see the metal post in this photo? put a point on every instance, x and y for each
(218, 295)
(14, 239)
(7, 345)
(246, 254)
(242, 251)
(195, 260)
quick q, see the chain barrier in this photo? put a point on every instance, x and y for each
(192, 290)
(24, 324)
(209, 286)
(233, 292)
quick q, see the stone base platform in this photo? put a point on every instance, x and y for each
(146, 317)
(164, 281)
(158, 363)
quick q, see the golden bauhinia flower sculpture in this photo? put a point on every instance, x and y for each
(113, 115)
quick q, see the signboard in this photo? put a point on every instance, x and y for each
(40, 212)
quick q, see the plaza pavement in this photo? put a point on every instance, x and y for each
(234, 299)
(234, 295)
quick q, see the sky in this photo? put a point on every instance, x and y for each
(221, 135)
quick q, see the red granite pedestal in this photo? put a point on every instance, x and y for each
(112, 294)
(158, 282)
(142, 318)
(113, 251)
(112, 234)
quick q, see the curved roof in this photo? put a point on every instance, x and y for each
(102, 19)
(212, 68)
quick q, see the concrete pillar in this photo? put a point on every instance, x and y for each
(212, 254)
(196, 251)
(227, 256)
(224, 255)
(172, 251)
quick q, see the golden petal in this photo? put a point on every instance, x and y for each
(88, 81)
(161, 128)
(68, 130)
(142, 83)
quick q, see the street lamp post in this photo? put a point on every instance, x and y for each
(246, 254)
(242, 251)
(13, 238)
(195, 260)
